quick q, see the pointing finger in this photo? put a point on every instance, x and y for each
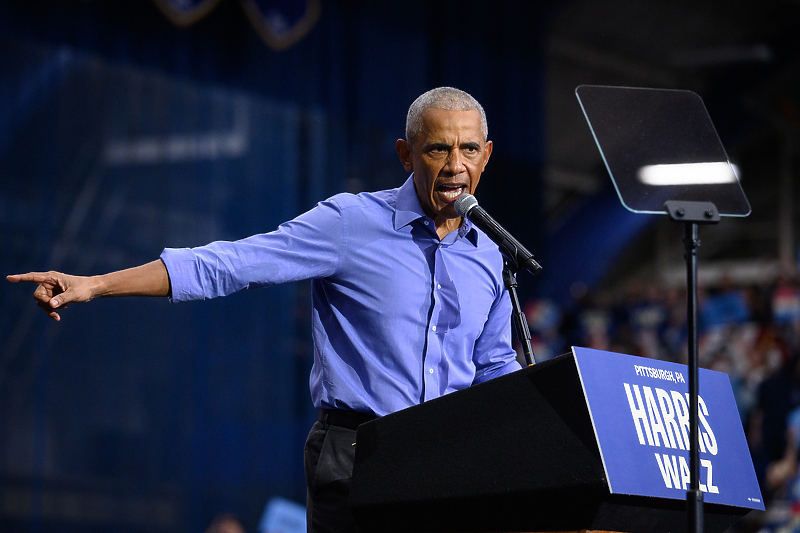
(33, 277)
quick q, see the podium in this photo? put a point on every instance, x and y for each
(534, 451)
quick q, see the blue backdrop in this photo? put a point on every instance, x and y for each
(121, 134)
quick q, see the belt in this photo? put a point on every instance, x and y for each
(343, 418)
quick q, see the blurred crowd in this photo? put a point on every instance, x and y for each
(750, 332)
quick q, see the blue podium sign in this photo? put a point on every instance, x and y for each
(640, 411)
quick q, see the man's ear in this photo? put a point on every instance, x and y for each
(404, 152)
(487, 150)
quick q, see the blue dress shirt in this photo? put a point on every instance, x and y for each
(399, 317)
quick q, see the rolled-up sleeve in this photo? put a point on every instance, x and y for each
(306, 247)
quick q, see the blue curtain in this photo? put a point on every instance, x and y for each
(184, 410)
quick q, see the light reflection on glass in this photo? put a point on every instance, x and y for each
(688, 174)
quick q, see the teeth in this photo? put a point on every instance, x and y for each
(452, 193)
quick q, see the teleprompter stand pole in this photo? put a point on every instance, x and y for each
(691, 214)
(694, 497)
(520, 322)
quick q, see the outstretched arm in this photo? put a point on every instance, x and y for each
(56, 290)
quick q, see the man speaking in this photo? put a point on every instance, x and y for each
(408, 297)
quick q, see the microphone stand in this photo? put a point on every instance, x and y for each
(520, 322)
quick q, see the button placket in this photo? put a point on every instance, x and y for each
(433, 355)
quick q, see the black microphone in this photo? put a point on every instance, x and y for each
(467, 206)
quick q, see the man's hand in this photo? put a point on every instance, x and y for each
(56, 290)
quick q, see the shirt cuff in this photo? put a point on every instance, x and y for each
(181, 267)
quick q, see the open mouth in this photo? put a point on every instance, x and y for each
(451, 191)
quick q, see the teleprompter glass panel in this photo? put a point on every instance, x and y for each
(660, 145)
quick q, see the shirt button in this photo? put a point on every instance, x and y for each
(438, 286)
(430, 371)
(434, 328)
(425, 222)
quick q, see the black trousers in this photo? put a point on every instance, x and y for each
(329, 453)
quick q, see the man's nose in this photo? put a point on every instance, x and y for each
(455, 163)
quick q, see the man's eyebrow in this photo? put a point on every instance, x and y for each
(437, 146)
(470, 144)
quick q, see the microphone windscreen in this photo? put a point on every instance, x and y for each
(464, 203)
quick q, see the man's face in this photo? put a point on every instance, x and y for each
(447, 158)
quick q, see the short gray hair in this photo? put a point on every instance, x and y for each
(448, 98)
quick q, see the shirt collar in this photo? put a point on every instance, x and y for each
(408, 209)
(407, 206)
